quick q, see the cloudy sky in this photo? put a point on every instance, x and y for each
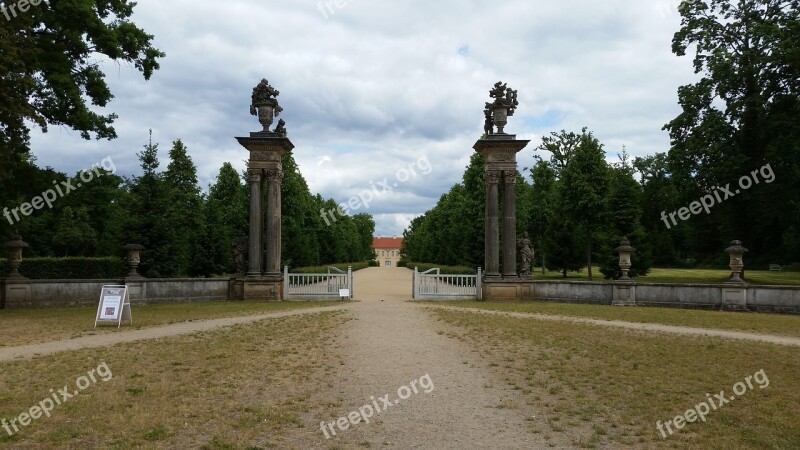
(386, 91)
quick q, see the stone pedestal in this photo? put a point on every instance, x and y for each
(16, 292)
(624, 294)
(734, 297)
(507, 289)
(265, 281)
(500, 151)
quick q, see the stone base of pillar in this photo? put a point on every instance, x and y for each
(16, 293)
(236, 289)
(264, 289)
(734, 297)
(506, 290)
(137, 289)
(624, 294)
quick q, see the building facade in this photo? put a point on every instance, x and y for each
(387, 250)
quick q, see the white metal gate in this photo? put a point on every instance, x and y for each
(432, 285)
(318, 286)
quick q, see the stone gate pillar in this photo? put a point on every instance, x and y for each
(500, 151)
(267, 149)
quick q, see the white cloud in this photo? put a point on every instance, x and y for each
(377, 85)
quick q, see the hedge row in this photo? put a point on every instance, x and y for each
(68, 268)
(324, 269)
(445, 270)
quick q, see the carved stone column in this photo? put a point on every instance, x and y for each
(510, 224)
(256, 225)
(492, 244)
(275, 179)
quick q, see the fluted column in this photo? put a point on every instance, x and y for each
(256, 224)
(510, 224)
(275, 179)
(492, 245)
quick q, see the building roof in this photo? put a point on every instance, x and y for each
(387, 242)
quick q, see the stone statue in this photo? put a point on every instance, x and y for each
(239, 249)
(265, 104)
(525, 254)
(488, 126)
(281, 128)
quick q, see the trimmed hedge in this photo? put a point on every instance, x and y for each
(445, 270)
(324, 269)
(68, 268)
(373, 263)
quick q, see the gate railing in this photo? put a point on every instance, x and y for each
(318, 286)
(432, 285)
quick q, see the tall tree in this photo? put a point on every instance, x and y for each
(583, 187)
(51, 69)
(742, 114)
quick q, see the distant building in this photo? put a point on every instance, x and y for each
(387, 250)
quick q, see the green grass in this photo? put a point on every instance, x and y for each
(34, 325)
(786, 325)
(701, 276)
(595, 387)
(324, 269)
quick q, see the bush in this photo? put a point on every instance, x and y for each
(373, 263)
(402, 263)
(68, 268)
(324, 269)
(444, 270)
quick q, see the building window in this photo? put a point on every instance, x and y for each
(388, 264)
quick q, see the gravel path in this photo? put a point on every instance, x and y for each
(743, 335)
(48, 348)
(393, 342)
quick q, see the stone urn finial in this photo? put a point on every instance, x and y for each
(504, 105)
(265, 104)
(15, 247)
(736, 253)
(625, 250)
(134, 259)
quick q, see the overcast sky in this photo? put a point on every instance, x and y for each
(372, 89)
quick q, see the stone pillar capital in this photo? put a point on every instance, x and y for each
(510, 177)
(274, 174)
(255, 175)
(493, 176)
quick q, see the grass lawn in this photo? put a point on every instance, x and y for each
(703, 276)
(253, 386)
(34, 325)
(600, 387)
(787, 325)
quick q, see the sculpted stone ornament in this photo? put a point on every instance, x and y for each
(504, 105)
(265, 104)
(281, 128)
(239, 250)
(526, 254)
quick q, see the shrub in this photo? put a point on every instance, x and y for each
(402, 263)
(324, 269)
(68, 268)
(444, 270)
(373, 263)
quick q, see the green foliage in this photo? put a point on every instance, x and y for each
(69, 268)
(444, 270)
(324, 269)
(373, 263)
(400, 263)
(51, 67)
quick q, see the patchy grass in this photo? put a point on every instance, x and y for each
(260, 385)
(606, 388)
(29, 326)
(780, 324)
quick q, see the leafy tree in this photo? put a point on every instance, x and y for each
(183, 214)
(583, 187)
(51, 70)
(743, 113)
(366, 230)
(226, 217)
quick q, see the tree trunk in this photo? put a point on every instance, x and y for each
(589, 258)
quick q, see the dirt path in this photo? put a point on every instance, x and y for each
(743, 335)
(47, 348)
(393, 342)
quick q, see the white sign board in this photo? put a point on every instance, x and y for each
(344, 293)
(114, 305)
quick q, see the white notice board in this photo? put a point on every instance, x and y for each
(114, 306)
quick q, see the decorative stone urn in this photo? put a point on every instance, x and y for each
(15, 247)
(504, 105)
(265, 104)
(625, 250)
(134, 259)
(736, 253)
